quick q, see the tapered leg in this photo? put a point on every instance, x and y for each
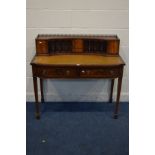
(111, 90)
(36, 97)
(41, 89)
(118, 97)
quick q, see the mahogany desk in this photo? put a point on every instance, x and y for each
(77, 57)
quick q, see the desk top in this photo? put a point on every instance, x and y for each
(76, 60)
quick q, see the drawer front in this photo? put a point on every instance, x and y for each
(55, 72)
(41, 47)
(100, 72)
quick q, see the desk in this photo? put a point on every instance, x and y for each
(77, 66)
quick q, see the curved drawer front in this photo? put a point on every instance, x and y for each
(76, 72)
(99, 72)
(58, 72)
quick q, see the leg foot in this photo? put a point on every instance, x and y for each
(115, 116)
(111, 100)
(36, 98)
(42, 100)
(118, 97)
(37, 116)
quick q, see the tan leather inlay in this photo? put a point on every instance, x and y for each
(78, 60)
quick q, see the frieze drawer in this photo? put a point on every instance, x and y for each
(101, 72)
(55, 72)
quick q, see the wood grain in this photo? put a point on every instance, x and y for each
(77, 57)
(48, 44)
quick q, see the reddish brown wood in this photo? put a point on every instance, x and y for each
(36, 97)
(113, 47)
(99, 72)
(76, 71)
(111, 90)
(41, 90)
(76, 36)
(77, 56)
(41, 47)
(118, 97)
(103, 44)
(77, 45)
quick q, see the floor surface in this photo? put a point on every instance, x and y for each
(77, 129)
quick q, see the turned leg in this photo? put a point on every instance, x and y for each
(118, 97)
(36, 97)
(111, 90)
(41, 89)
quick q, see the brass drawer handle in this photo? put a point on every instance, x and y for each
(40, 42)
(68, 72)
(83, 71)
(111, 71)
(44, 71)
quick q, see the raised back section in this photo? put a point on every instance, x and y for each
(77, 44)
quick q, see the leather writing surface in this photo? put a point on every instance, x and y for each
(78, 59)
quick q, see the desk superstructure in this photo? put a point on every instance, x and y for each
(77, 57)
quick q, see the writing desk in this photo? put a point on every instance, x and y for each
(74, 57)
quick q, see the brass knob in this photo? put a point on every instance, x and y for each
(40, 42)
(44, 71)
(83, 71)
(111, 72)
(67, 72)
